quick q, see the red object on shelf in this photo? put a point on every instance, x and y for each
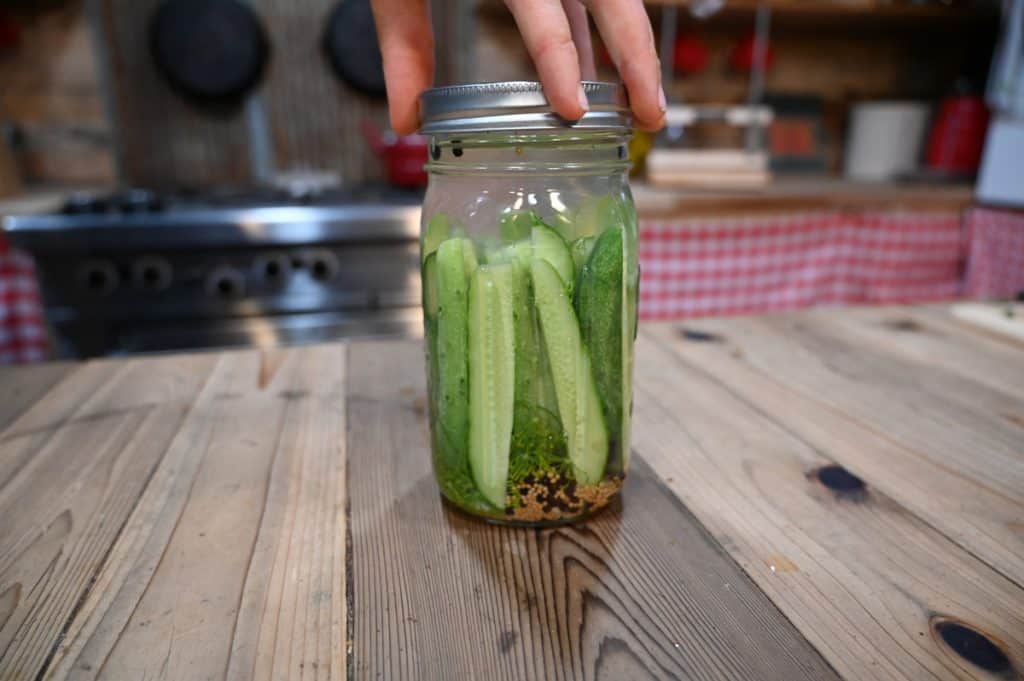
(404, 156)
(690, 55)
(958, 134)
(742, 57)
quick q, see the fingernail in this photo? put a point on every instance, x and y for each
(582, 97)
(662, 102)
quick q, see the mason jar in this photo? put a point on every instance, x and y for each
(529, 272)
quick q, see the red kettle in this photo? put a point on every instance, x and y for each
(403, 157)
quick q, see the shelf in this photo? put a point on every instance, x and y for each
(787, 194)
(972, 11)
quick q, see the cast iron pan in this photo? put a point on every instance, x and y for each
(350, 40)
(212, 50)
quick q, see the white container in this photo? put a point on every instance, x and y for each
(1001, 178)
(884, 139)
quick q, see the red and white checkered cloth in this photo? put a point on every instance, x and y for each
(995, 258)
(721, 266)
(22, 329)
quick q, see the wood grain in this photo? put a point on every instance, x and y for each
(316, 118)
(50, 88)
(72, 469)
(196, 534)
(640, 592)
(21, 386)
(928, 337)
(163, 140)
(948, 448)
(313, 119)
(185, 517)
(861, 576)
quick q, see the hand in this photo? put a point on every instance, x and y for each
(558, 39)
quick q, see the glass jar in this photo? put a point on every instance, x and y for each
(529, 268)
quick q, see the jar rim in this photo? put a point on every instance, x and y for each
(519, 106)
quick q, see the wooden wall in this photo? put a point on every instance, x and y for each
(50, 86)
(50, 91)
(841, 59)
(314, 119)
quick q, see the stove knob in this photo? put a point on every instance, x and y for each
(225, 282)
(323, 265)
(139, 201)
(98, 277)
(273, 268)
(152, 274)
(84, 202)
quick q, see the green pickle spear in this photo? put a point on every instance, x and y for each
(491, 378)
(599, 308)
(578, 403)
(454, 260)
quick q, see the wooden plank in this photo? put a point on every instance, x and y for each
(947, 448)
(639, 592)
(870, 584)
(316, 118)
(1002, 320)
(71, 470)
(928, 337)
(22, 386)
(232, 562)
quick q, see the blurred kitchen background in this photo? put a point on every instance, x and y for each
(199, 173)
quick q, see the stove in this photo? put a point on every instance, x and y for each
(144, 271)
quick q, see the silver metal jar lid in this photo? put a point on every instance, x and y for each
(519, 105)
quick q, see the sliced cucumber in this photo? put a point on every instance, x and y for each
(581, 249)
(520, 252)
(527, 341)
(437, 230)
(453, 273)
(517, 224)
(469, 255)
(429, 281)
(548, 245)
(491, 378)
(578, 403)
(630, 294)
(599, 308)
(564, 225)
(430, 309)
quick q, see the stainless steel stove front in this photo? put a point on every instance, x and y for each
(121, 283)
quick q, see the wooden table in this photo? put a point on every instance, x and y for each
(837, 494)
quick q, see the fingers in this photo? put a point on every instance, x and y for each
(545, 30)
(626, 31)
(407, 47)
(580, 29)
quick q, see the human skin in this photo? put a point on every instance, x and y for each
(557, 37)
